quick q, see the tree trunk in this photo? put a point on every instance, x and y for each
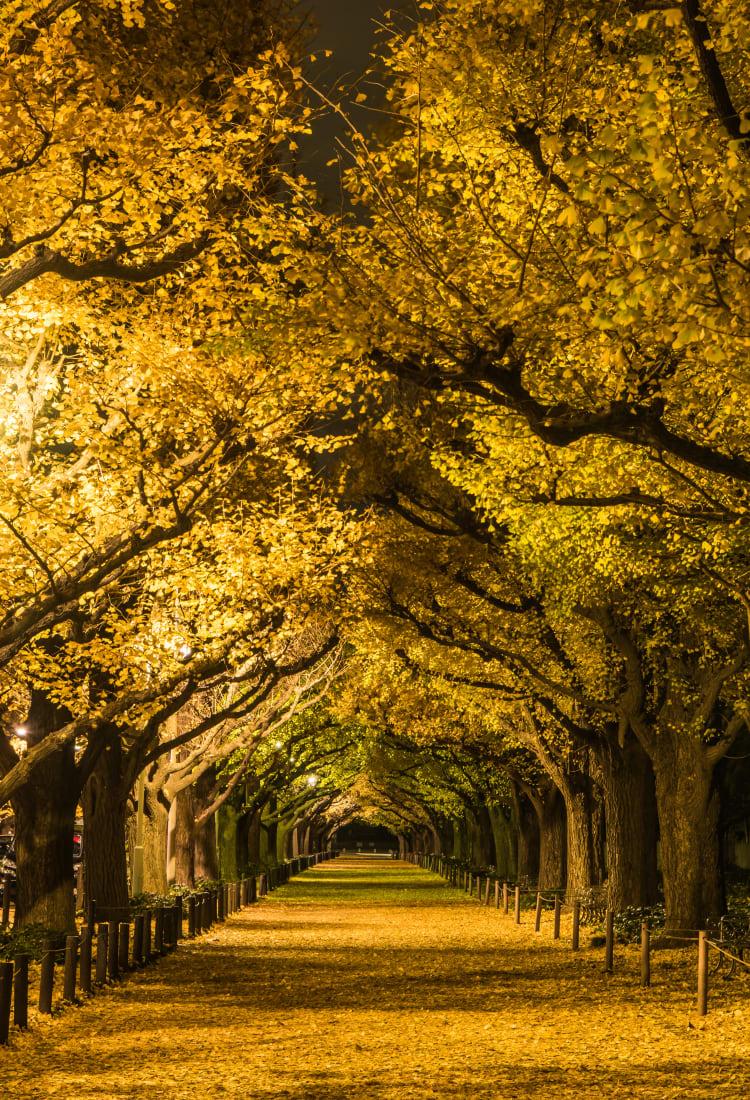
(155, 819)
(206, 857)
(553, 838)
(630, 808)
(45, 814)
(688, 808)
(527, 835)
(183, 838)
(105, 869)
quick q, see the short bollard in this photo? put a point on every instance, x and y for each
(469, 884)
(21, 991)
(609, 942)
(222, 902)
(71, 963)
(191, 916)
(505, 898)
(91, 915)
(263, 887)
(253, 890)
(159, 931)
(702, 973)
(101, 954)
(538, 913)
(47, 977)
(518, 904)
(497, 893)
(138, 922)
(113, 944)
(123, 950)
(487, 891)
(147, 936)
(179, 906)
(84, 960)
(645, 954)
(6, 988)
(556, 925)
(576, 925)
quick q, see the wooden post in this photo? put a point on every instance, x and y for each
(538, 914)
(138, 922)
(263, 887)
(479, 887)
(147, 936)
(221, 912)
(702, 973)
(253, 890)
(487, 891)
(609, 942)
(21, 991)
(91, 915)
(497, 893)
(505, 898)
(576, 924)
(518, 904)
(123, 949)
(6, 988)
(645, 954)
(84, 962)
(179, 909)
(101, 954)
(191, 917)
(556, 925)
(113, 944)
(470, 884)
(69, 974)
(47, 977)
(159, 931)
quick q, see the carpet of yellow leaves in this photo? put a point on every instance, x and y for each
(413, 993)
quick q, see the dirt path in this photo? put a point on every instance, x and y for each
(375, 981)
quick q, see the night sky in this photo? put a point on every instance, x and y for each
(347, 28)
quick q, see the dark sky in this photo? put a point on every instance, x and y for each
(347, 28)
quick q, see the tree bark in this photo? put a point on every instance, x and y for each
(527, 826)
(630, 810)
(206, 858)
(105, 869)
(688, 808)
(154, 843)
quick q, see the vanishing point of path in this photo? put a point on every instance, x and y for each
(372, 980)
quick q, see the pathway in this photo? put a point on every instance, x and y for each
(375, 981)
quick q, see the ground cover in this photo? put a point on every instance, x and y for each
(377, 981)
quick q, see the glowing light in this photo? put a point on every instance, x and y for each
(312, 780)
(277, 744)
(20, 731)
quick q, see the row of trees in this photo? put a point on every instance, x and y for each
(476, 446)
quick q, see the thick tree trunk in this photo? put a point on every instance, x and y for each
(182, 839)
(105, 869)
(45, 814)
(154, 843)
(630, 808)
(553, 838)
(688, 808)
(253, 840)
(583, 869)
(206, 857)
(527, 828)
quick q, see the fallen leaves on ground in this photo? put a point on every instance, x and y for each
(374, 980)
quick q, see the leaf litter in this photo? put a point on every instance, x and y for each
(374, 980)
